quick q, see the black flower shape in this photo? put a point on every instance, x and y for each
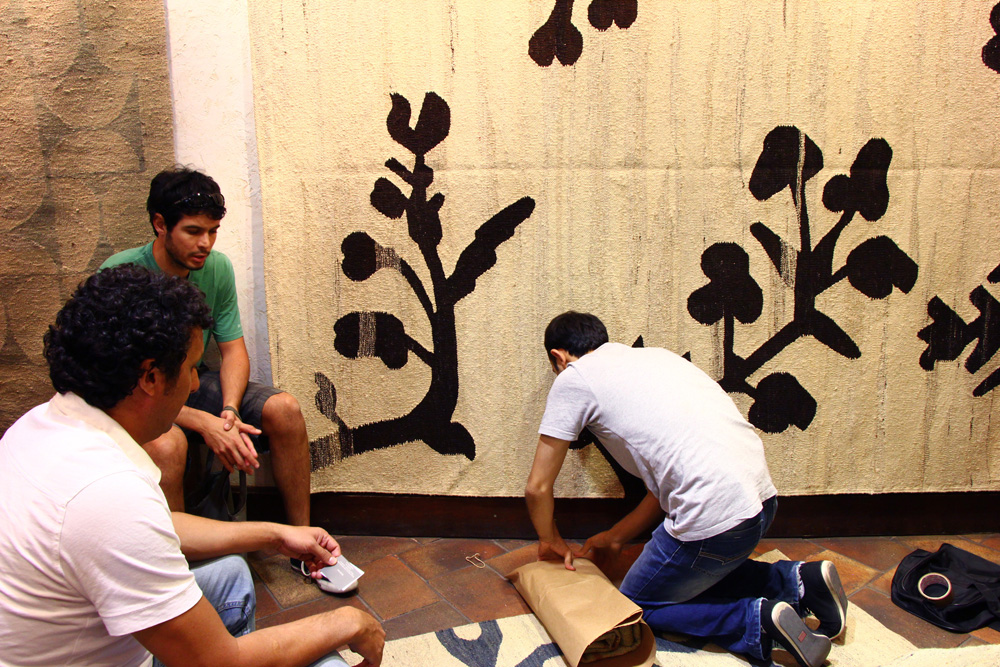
(878, 265)
(780, 401)
(363, 256)
(372, 334)
(387, 199)
(557, 38)
(946, 336)
(732, 289)
(991, 51)
(987, 328)
(326, 396)
(432, 124)
(778, 165)
(865, 191)
(602, 13)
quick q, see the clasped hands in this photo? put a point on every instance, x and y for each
(229, 438)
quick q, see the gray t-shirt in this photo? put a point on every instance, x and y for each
(666, 421)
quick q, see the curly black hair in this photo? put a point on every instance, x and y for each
(117, 319)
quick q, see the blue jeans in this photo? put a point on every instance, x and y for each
(708, 588)
(227, 585)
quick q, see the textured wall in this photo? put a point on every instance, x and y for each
(84, 118)
(211, 89)
(802, 196)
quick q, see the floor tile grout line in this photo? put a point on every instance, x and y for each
(969, 638)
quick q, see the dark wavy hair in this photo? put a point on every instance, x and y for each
(169, 189)
(115, 320)
(577, 333)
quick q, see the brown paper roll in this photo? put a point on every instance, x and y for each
(580, 608)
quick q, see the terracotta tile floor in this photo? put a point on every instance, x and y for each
(418, 585)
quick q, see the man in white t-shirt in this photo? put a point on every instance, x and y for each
(93, 564)
(709, 496)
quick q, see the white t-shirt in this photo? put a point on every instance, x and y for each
(88, 552)
(666, 421)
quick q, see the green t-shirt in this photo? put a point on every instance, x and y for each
(216, 280)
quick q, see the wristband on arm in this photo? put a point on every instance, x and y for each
(233, 410)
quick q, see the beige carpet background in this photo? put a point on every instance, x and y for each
(638, 147)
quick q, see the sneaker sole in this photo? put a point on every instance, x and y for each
(808, 648)
(832, 581)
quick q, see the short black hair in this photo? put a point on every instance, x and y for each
(577, 333)
(115, 320)
(172, 194)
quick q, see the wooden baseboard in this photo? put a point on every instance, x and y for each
(578, 518)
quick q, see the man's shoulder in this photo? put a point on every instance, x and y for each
(217, 265)
(141, 255)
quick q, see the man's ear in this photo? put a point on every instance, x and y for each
(149, 378)
(561, 359)
(159, 225)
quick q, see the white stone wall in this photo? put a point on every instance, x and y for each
(212, 91)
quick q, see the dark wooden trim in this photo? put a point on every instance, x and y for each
(798, 516)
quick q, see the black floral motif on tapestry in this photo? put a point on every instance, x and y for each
(384, 336)
(991, 51)
(948, 335)
(558, 39)
(788, 160)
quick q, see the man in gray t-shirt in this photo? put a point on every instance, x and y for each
(709, 497)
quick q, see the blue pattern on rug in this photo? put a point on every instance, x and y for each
(484, 650)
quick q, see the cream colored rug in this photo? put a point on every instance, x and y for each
(521, 641)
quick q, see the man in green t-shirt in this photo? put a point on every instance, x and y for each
(185, 207)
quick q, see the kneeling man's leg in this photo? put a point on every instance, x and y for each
(228, 587)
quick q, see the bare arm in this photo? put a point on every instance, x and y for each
(198, 638)
(608, 544)
(202, 539)
(225, 433)
(234, 372)
(549, 457)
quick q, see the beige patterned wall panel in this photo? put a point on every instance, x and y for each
(85, 122)
(790, 192)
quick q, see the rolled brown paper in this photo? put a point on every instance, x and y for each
(936, 588)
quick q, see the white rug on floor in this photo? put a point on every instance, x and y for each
(521, 641)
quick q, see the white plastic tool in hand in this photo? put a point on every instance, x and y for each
(340, 578)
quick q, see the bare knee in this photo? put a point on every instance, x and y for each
(169, 451)
(281, 414)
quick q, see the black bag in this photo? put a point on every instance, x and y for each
(213, 497)
(975, 585)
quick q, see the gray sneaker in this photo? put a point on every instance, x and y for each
(780, 622)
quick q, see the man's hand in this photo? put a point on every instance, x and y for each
(229, 438)
(369, 641)
(556, 549)
(313, 546)
(603, 549)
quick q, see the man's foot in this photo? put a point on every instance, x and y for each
(780, 622)
(824, 596)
